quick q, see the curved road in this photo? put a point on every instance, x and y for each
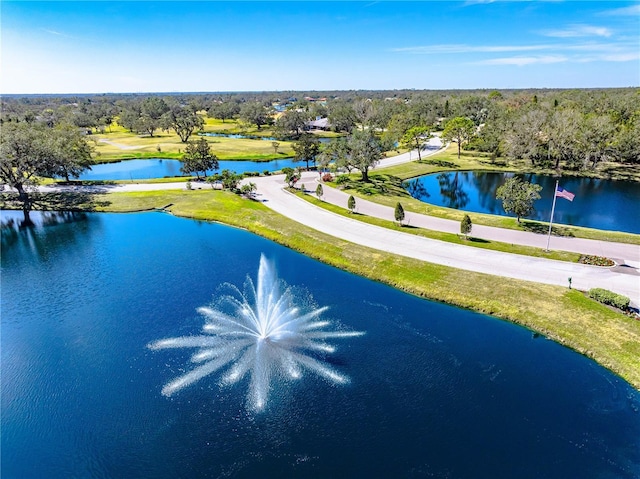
(623, 279)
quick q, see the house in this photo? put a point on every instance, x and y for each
(318, 124)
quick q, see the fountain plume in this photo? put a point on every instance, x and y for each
(261, 333)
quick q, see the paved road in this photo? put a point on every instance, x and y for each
(624, 279)
(271, 192)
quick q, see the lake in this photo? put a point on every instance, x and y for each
(160, 168)
(600, 204)
(430, 390)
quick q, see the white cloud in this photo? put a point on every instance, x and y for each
(610, 57)
(631, 11)
(462, 48)
(573, 31)
(477, 2)
(522, 61)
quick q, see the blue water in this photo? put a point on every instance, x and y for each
(239, 136)
(160, 168)
(601, 204)
(435, 391)
(252, 137)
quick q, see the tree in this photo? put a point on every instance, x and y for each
(335, 151)
(627, 143)
(342, 116)
(256, 113)
(184, 121)
(152, 110)
(459, 129)
(395, 129)
(414, 137)
(319, 191)
(229, 179)
(275, 145)
(562, 132)
(465, 226)
(306, 148)
(248, 189)
(291, 176)
(28, 151)
(351, 204)
(363, 152)
(596, 140)
(224, 111)
(364, 112)
(198, 157)
(292, 122)
(72, 153)
(399, 213)
(518, 196)
(526, 138)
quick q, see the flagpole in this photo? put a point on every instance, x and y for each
(553, 208)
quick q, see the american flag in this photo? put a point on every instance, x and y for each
(562, 193)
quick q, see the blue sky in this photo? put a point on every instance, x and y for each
(164, 46)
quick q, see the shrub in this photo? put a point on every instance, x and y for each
(596, 260)
(399, 213)
(605, 296)
(327, 177)
(342, 179)
(466, 225)
(351, 204)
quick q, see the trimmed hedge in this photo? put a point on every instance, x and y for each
(605, 296)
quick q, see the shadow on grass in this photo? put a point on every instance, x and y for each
(68, 201)
(442, 163)
(478, 240)
(63, 201)
(541, 228)
(378, 184)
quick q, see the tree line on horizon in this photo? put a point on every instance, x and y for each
(561, 129)
(570, 129)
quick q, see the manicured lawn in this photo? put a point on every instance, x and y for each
(124, 145)
(389, 180)
(442, 236)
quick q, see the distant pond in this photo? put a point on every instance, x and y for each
(237, 136)
(160, 168)
(602, 204)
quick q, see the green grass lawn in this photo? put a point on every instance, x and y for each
(120, 144)
(442, 236)
(386, 188)
(566, 316)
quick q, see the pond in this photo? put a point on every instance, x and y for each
(239, 136)
(427, 390)
(253, 137)
(160, 168)
(601, 204)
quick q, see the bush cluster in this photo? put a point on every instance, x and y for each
(342, 179)
(596, 260)
(327, 177)
(605, 296)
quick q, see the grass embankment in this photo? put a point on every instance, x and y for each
(120, 144)
(442, 236)
(566, 316)
(386, 188)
